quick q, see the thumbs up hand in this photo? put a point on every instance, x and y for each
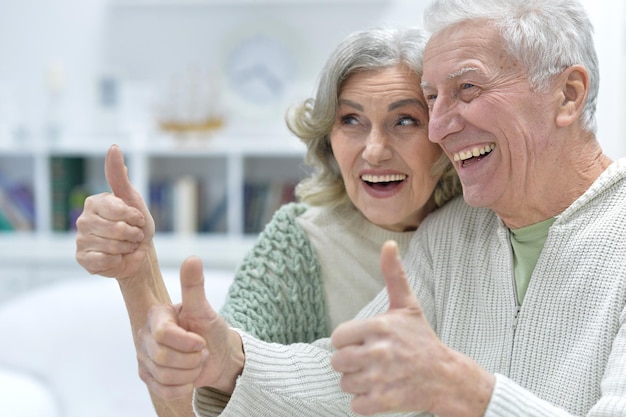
(115, 230)
(189, 345)
(395, 362)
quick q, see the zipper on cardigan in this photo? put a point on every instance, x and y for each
(518, 307)
(516, 302)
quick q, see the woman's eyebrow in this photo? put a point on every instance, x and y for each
(350, 103)
(401, 103)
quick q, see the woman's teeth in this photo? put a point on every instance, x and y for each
(383, 178)
(462, 156)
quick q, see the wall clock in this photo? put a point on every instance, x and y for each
(260, 68)
(261, 65)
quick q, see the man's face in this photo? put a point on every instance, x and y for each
(485, 116)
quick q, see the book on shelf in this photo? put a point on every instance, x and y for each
(186, 205)
(262, 199)
(17, 206)
(67, 193)
(183, 206)
(159, 204)
(214, 220)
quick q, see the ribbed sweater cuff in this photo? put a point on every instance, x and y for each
(511, 400)
(208, 402)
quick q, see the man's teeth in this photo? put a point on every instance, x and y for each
(383, 178)
(462, 156)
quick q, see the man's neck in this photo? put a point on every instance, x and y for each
(568, 181)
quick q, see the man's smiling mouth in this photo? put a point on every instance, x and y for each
(474, 153)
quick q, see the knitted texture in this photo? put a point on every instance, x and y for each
(564, 354)
(278, 294)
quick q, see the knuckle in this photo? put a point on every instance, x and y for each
(90, 202)
(381, 351)
(161, 357)
(159, 331)
(119, 228)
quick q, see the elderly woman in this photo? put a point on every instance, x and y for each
(376, 177)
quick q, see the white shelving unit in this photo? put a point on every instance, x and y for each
(43, 254)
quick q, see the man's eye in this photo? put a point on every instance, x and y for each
(465, 86)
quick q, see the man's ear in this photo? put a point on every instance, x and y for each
(573, 91)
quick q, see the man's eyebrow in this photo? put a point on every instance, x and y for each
(454, 75)
(462, 71)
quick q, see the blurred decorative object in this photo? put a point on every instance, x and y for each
(108, 101)
(190, 104)
(55, 84)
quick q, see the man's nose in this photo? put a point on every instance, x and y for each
(444, 119)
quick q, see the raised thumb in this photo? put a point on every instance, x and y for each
(116, 175)
(192, 287)
(398, 288)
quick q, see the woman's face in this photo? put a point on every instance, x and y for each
(380, 141)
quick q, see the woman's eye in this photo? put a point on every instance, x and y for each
(349, 120)
(407, 121)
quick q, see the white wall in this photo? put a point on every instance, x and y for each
(87, 38)
(609, 19)
(84, 39)
(36, 35)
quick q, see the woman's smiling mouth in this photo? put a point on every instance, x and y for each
(383, 181)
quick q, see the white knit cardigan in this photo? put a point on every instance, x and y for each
(562, 353)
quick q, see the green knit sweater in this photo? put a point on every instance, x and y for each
(278, 294)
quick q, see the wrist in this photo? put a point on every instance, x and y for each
(468, 391)
(234, 364)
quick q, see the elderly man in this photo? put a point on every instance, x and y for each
(531, 284)
(516, 294)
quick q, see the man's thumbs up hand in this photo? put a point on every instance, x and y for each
(398, 288)
(387, 360)
(188, 345)
(225, 350)
(115, 230)
(196, 313)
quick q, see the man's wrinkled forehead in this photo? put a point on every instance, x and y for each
(461, 48)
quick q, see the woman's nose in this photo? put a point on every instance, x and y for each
(377, 147)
